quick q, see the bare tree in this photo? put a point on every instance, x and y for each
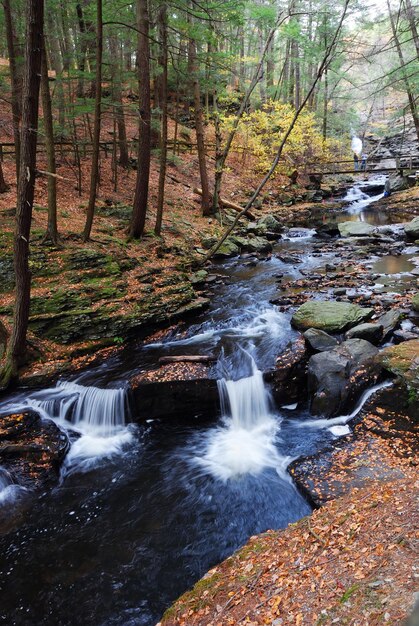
(15, 80)
(16, 349)
(94, 172)
(162, 26)
(52, 230)
(139, 209)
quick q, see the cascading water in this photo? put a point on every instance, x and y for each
(91, 410)
(98, 415)
(245, 444)
(356, 145)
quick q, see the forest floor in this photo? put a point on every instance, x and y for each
(351, 562)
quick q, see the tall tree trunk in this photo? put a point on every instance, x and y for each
(15, 80)
(81, 63)
(262, 80)
(3, 185)
(16, 349)
(139, 209)
(325, 104)
(52, 230)
(162, 27)
(94, 172)
(270, 68)
(58, 66)
(119, 108)
(411, 99)
(199, 127)
(412, 19)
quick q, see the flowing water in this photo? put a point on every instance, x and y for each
(142, 511)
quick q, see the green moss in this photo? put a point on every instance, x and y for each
(194, 599)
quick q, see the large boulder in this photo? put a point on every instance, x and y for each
(403, 361)
(270, 224)
(412, 229)
(370, 332)
(355, 229)
(389, 321)
(332, 317)
(227, 249)
(337, 377)
(319, 341)
(290, 373)
(258, 244)
(398, 183)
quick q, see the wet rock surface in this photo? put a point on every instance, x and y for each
(337, 377)
(384, 439)
(331, 317)
(31, 449)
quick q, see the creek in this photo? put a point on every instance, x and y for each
(142, 511)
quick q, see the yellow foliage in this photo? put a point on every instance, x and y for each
(260, 133)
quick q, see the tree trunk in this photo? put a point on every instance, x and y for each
(58, 66)
(325, 104)
(199, 127)
(94, 172)
(15, 81)
(16, 350)
(3, 185)
(411, 99)
(52, 230)
(412, 19)
(83, 50)
(162, 26)
(119, 108)
(139, 209)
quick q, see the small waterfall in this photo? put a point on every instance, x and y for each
(90, 409)
(245, 444)
(247, 400)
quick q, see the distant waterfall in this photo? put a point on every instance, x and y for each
(356, 145)
(90, 409)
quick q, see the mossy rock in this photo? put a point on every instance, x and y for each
(403, 360)
(228, 249)
(60, 301)
(415, 302)
(7, 273)
(332, 317)
(87, 259)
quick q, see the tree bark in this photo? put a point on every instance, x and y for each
(16, 350)
(117, 98)
(199, 127)
(139, 209)
(15, 81)
(52, 230)
(3, 185)
(162, 26)
(410, 97)
(412, 19)
(94, 172)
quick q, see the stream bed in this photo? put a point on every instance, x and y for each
(143, 511)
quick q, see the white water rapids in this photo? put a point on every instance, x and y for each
(245, 443)
(97, 415)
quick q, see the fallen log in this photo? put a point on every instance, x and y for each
(187, 358)
(229, 205)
